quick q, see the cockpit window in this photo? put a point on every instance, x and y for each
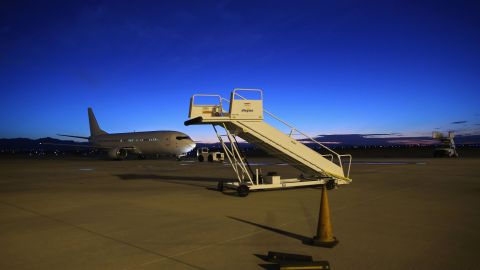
(182, 137)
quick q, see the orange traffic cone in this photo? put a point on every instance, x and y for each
(324, 237)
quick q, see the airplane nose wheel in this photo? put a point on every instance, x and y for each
(243, 191)
(220, 186)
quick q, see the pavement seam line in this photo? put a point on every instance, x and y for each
(164, 257)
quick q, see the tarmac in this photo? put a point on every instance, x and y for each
(165, 214)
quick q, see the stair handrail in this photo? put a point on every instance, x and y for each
(205, 95)
(339, 157)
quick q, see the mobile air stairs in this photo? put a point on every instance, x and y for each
(245, 119)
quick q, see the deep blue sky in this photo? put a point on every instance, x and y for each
(328, 67)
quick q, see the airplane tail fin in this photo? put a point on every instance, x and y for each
(95, 130)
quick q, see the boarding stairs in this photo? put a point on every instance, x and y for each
(245, 119)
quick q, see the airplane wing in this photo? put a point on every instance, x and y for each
(73, 136)
(67, 144)
(130, 148)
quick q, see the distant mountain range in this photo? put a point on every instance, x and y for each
(48, 143)
(25, 144)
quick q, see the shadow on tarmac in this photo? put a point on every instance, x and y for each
(182, 180)
(305, 240)
(195, 181)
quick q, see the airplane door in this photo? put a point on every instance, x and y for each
(168, 140)
(175, 142)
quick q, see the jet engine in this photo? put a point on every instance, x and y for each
(118, 153)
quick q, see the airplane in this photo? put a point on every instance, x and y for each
(118, 145)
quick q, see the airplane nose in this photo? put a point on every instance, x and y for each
(191, 145)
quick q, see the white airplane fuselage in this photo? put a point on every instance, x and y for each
(146, 143)
(118, 145)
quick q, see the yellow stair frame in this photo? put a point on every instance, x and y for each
(245, 119)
